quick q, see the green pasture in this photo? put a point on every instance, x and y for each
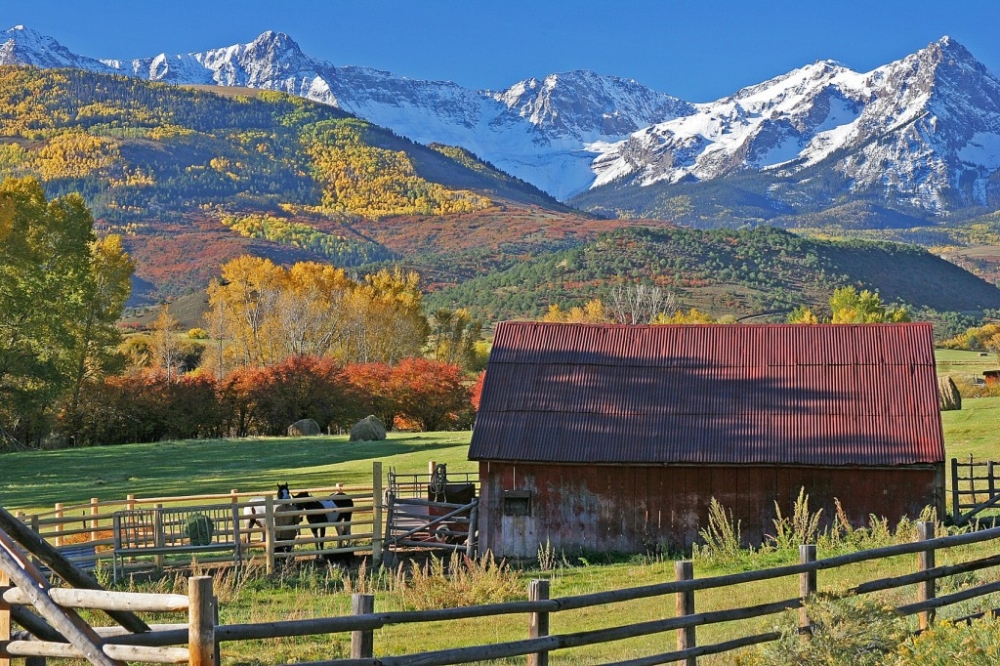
(36, 480)
(953, 361)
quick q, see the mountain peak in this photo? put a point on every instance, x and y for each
(948, 49)
(21, 45)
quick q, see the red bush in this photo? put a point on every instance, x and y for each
(430, 393)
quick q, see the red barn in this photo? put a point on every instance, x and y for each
(615, 438)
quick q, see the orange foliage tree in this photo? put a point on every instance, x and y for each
(433, 394)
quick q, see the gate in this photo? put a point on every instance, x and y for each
(975, 487)
(432, 511)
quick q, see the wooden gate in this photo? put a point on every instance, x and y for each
(432, 511)
(975, 487)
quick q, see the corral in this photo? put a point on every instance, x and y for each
(617, 437)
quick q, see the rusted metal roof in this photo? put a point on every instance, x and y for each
(844, 394)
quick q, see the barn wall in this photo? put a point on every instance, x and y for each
(635, 508)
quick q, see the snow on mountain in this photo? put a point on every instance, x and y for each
(924, 131)
(23, 46)
(535, 130)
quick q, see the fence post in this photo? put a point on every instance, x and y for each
(235, 495)
(972, 480)
(471, 542)
(95, 509)
(684, 570)
(989, 477)
(59, 525)
(130, 502)
(4, 620)
(954, 489)
(269, 534)
(158, 537)
(201, 621)
(362, 641)
(925, 561)
(376, 512)
(807, 588)
(538, 627)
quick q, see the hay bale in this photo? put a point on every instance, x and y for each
(304, 428)
(368, 429)
(948, 396)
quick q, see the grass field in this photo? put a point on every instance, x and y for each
(36, 480)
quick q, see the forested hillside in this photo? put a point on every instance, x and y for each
(723, 272)
(220, 175)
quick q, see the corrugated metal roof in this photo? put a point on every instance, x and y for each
(845, 394)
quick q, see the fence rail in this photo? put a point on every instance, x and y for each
(539, 610)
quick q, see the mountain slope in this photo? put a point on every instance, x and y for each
(723, 272)
(920, 134)
(535, 130)
(219, 176)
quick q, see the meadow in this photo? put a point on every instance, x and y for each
(36, 480)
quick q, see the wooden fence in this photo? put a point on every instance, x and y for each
(70, 528)
(540, 611)
(975, 487)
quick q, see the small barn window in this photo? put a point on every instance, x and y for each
(517, 502)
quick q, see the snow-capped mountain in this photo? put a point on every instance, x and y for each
(23, 46)
(923, 131)
(535, 130)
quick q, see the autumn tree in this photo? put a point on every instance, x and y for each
(51, 268)
(310, 309)
(245, 299)
(384, 318)
(261, 314)
(593, 312)
(852, 307)
(372, 383)
(453, 336)
(96, 335)
(431, 393)
(165, 351)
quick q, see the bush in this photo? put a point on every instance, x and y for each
(856, 631)
(458, 581)
(946, 644)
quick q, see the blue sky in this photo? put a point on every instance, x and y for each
(697, 50)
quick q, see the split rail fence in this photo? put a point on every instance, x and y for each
(202, 636)
(148, 533)
(975, 488)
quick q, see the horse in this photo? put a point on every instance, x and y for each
(340, 508)
(254, 511)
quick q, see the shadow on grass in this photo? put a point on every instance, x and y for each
(39, 479)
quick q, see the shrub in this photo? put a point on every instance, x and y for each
(723, 539)
(856, 630)
(459, 581)
(946, 644)
(801, 529)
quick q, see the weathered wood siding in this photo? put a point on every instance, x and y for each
(636, 508)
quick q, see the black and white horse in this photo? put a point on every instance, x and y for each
(254, 511)
(339, 508)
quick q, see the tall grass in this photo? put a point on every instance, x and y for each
(723, 545)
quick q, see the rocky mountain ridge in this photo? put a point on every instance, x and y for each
(921, 134)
